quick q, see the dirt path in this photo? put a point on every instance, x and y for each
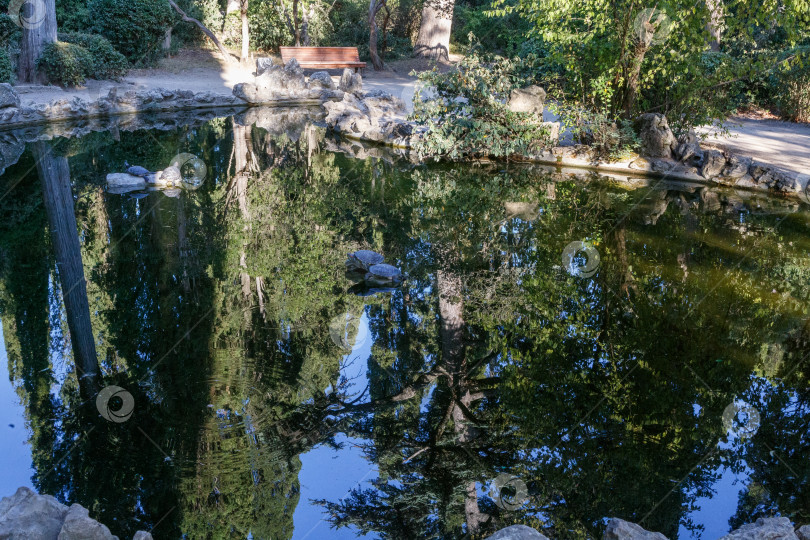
(201, 70)
(783, 144)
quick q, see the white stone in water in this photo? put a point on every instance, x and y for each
(517, 532)
(79, 525)
(778, 528)
(619, 529)
(28, 515)
(124, 179)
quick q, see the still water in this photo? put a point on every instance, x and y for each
(563, 349)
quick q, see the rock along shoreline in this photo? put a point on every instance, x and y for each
(379, 118)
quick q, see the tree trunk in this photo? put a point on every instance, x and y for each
(633, 78)
(38, 20)
(225, 54)
(373, 8)
(715, 23)
(167, 39)
(245, 31)
(434, 31)
(296, 32)
(58, 196)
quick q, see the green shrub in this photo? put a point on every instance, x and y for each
(65, 63)
(134, 27)
(466, 113)
(792, 90)
(107, 62)
(6, 71)
(73, 15)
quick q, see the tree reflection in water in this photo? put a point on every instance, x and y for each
(603, 395)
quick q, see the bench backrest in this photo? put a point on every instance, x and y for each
(320, 54)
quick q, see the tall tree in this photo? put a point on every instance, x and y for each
(434, 31)
(38, 21)
(58, 196)
(375, 6)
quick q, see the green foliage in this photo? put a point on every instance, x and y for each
(504, 35)
(65, 64)
(134, 27)
(107, 62)
(73, 16)
(599, 47)
(6, 71)
(466, 115)
(792, 90)
(610, 138)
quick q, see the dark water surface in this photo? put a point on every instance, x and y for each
(563, 349)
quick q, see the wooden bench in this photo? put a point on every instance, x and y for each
(323, 57)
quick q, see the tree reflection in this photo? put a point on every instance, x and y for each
(603, 395)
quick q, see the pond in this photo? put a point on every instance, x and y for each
(563, 348)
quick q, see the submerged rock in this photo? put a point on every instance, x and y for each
(517, 532)
(777, 528)
(28, 515)
(79, 525)
(619, 529)
(125, 180)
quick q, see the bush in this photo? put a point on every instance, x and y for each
(107, 62)
(466, 113)
(6, 71)
(134, 27)
(65, 63)
(792, 91)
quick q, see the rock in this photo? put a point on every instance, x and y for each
(322, 79)
(527, 100)
(350, 81)
(552, 130)
(687, 149)
(618, 529)
(804, 532)
(641, 164)
(736, 167)
(8, 96)
(79, 525)
(125, 179)
(28, 516)
(713, 164)
(778, 528)
(263, 64)
(142, 535)
(657, 140)
(517, 532)
(274, 83)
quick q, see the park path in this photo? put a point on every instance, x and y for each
(778, 143)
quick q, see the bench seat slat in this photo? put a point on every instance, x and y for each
(323, 57)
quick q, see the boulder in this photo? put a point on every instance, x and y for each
(657, 139)
(517, 532)
(79, 525)
(8, 96)
(527, 100)
(322, 79)
(350, 81)
(142, 535)
(618, 529)
(275, 82)
(263, 64)
(778, 528)
(804, 532)
(125, 179)
(713, 164)
(28, 516)
(736, 167)
(687, 149)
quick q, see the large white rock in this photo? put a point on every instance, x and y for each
(517, 532)
(79, 525)
(619, 529)
(527, 100)
(124, 179)
(778, 528)
(28, 516)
